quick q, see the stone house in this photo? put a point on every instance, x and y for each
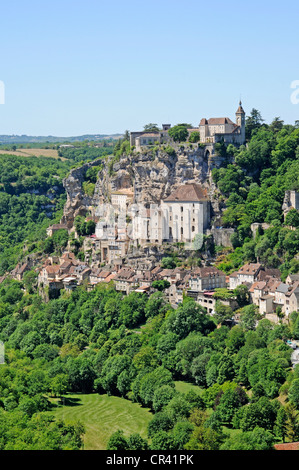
(257, 290)
(292, 299)
(126, 280)
(19, 271)
(223, 129)
(141, 138)
(55, 227)
(206, 279)
(266, 304)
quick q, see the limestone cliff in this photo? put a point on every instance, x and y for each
(151, 176)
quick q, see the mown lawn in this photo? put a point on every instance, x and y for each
(102, 415)
(185, 387)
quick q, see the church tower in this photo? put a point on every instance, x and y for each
(240, 121)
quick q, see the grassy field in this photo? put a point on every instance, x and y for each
(185, 387)
(51, 153)
(102, 415)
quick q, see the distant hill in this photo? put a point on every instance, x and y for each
(26, 139)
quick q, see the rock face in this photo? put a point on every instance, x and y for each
(151, 176)
(77, 202)
(291, 201)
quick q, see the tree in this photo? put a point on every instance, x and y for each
(293, 394)
(230, 402)
(181, 433)
(292, 218)
(59, 385)
(253, 122)
(194, 137)
(222, 312)
(117, 441)
(163, 440)
(168, 263)
(179, 133)
(162, 397)
(151, 127)
(162, 421)
(136, 442)
(156, 304)
(151, 381)
(248, 317)
(161, 284)
(258, 439)
(292, 422)
(205, 438)
(280, 424)
(189, 317)
(242, 295)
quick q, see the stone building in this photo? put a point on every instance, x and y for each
(186, 213)
(211, 131)
(180, 217)
(215, 130)
(141, 138)
(206, 279)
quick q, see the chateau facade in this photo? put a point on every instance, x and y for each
(223, 129)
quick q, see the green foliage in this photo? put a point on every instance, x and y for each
(31, 198)
(179, 133)
(86, 151)
(254, 188)
(135, 346)
(194, 137)
(41, 433)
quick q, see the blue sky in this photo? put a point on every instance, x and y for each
(72, 67)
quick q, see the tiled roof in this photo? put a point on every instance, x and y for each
(207, 271)
(293, 289)
(216, 121)
(188, 192)
(287, 446)
(240, 109)
(250, 268)
(52, 269)
(260, 285)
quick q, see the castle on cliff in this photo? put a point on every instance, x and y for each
(211, 131)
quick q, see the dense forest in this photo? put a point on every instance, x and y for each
(137, 346)
(252, 190)
(32, 195)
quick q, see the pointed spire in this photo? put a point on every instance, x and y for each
(240, 108)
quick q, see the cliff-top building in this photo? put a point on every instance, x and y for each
(215, 130)
(211, 131)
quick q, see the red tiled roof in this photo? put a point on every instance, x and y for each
(287, 446)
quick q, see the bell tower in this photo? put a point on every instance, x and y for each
(240, 121)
